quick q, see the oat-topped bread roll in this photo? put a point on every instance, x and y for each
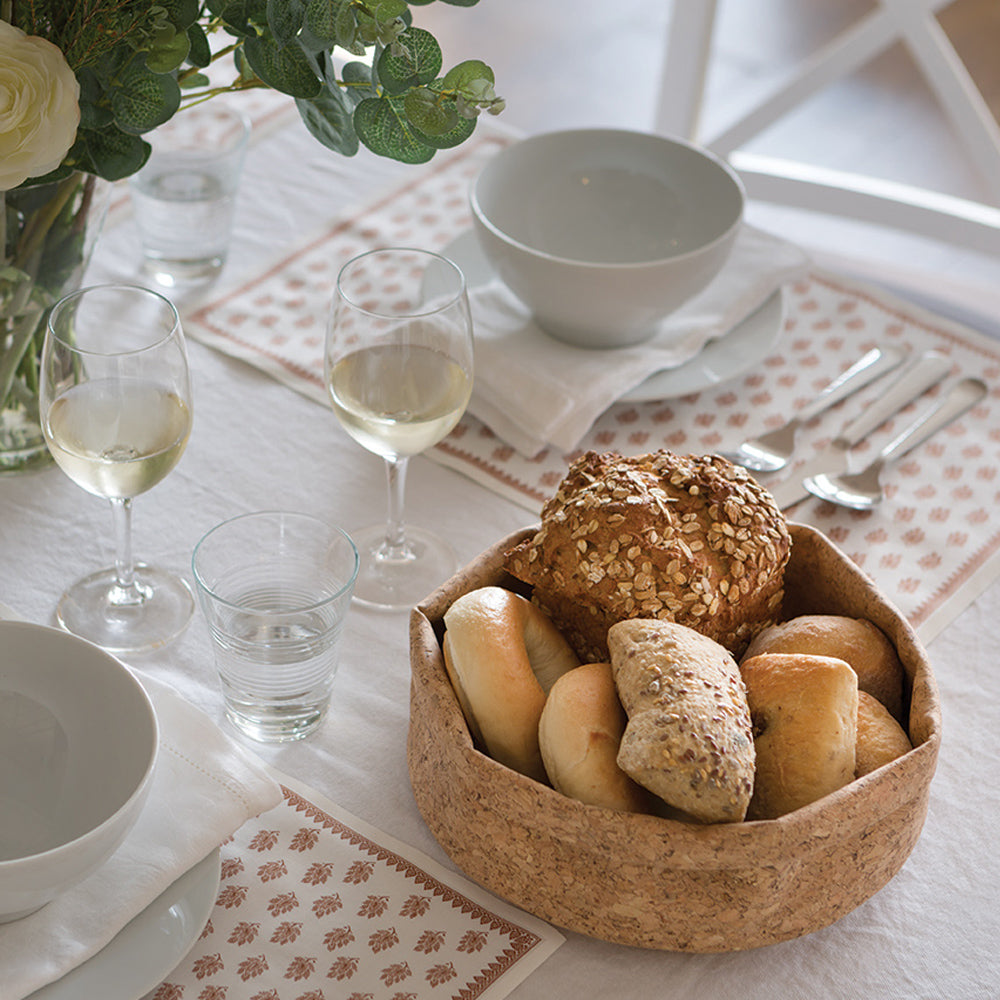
(691, 539)
(688, 738)
(856, 641)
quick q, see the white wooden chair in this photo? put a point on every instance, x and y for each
(971, 224)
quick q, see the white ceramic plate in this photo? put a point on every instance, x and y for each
(720, 360)
(149, 947)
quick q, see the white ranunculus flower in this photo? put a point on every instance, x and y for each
(39, 106)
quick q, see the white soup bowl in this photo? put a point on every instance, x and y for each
(603, 233)
(78, 743)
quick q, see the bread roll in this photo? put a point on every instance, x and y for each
(881, 738)
(579, 733)
(856, 641)
(691, 539)
(804, 711)
(688, 738)
(503, 655)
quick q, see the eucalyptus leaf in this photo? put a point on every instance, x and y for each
(358, 77)
(382, 126)
(200, 53)
(436, 122)
(321, 19)
(347, 32)
(143, 100)
(414, 62)
(287, 69)
(241, 16)
(181, 13)
(114, 154)
(169, 53)
(284, 18)
(194, 81)
(329, 119)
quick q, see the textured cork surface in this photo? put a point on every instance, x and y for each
(657, 883)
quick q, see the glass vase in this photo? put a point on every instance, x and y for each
(47, 233)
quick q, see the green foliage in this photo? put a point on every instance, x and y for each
(139, 61)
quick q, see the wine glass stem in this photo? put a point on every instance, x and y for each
(395, 529)
(126, 591)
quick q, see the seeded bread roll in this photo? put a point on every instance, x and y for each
(688, 738)
(881, 738)
(579, 733)
(690, 539)
(502, 656)
(855, 640)
(804, 711)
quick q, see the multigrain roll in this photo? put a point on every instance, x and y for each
(688, 738)
(502, 656)
(579, 734)
(881, 739)
(855, 640)
(690, 539)
(804, 711)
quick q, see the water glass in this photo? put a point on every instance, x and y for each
(275, 588)
(185, 195)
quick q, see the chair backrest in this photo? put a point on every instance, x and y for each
(969, 223)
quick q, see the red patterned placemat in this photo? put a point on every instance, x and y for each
(314, 905)
(932, 546)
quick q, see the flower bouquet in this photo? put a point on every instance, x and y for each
(82, 82)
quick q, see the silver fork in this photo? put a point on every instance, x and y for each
(771, 451)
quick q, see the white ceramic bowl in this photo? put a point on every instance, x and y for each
(78, 743)
(603, 233)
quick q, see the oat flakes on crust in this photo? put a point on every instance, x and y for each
(687, 538)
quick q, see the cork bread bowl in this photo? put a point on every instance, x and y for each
(650, 882)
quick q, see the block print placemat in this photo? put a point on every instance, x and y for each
(316, 905)
(932, 546)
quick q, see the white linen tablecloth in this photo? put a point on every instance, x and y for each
(931, 933)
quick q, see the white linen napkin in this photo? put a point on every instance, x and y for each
(205, 787)
(533, 390)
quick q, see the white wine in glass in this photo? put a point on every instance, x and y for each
(116, 404)
(399, 370)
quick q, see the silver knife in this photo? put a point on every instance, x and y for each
(916, 378)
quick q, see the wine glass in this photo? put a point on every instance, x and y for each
(116, 403)
(399, 373)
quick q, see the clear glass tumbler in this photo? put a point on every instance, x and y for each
(275, 587)
(185, 195)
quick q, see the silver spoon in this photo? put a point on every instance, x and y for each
(863, 490)
(771, 451)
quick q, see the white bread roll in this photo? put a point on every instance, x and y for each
(881, 738)
(854, 640)
(579, 733)
(804, 711)
(688, 738)
(503, 655)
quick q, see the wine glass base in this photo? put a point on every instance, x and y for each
(397, 581)
(90, 610)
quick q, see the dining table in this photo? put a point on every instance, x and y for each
(264, 437)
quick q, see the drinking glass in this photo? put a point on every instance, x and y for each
(399, 371)
(116, 403)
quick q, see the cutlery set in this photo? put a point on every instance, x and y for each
(827, 474)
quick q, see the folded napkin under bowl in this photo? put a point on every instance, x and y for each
(78, 744)
(651, 882)
(534, 391)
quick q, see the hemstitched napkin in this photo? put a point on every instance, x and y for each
(205, 787)
(315, 903)
(533, 390)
